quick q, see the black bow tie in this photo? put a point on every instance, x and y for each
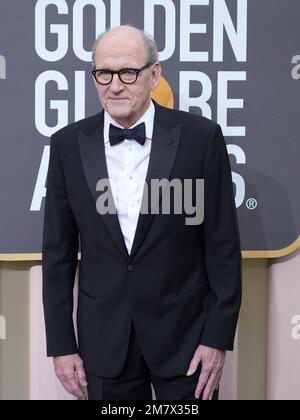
(117, 135)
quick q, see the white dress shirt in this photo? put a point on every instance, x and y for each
(127, 165)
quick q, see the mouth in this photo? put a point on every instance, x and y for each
(117, 99)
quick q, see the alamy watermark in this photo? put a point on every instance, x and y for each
(296, 327)
(2, 67)
(296, 67)
(166, 197)
(2, 328)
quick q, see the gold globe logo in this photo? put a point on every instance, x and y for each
(163, 94)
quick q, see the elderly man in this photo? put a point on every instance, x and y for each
(158, 298)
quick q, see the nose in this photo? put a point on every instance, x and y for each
(116, 84)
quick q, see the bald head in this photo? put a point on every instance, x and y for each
(128, 33)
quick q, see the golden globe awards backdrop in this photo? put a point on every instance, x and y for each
(234, 61)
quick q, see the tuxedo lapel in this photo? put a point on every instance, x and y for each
(91, 146)
(165, 141)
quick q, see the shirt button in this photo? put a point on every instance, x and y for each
(130, 267)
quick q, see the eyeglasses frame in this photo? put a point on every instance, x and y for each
(118, 72)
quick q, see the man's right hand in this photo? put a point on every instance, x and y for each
(69, 370)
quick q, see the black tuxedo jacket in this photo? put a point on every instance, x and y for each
(180, 285)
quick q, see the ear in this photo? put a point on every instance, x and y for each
(95, 83)
(92, 68)
(156, 73)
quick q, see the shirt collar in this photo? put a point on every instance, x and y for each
(147, 118)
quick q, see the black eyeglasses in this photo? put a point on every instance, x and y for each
(127, 76)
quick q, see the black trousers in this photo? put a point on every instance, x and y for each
(134, 381)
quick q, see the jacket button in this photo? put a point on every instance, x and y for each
(130, 267)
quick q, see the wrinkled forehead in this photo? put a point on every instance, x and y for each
(123, 47)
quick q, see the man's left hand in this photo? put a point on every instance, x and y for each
(212, 368)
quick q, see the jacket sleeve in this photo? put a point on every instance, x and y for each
(60, 251)
(222, 246)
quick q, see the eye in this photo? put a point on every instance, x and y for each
(103, 76)
(102, 73)
(128, 72)
(128, 76)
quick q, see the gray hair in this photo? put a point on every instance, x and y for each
(149, 43)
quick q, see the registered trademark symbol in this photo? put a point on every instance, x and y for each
(251, 204)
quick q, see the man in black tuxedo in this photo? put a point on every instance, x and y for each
(158, 297)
